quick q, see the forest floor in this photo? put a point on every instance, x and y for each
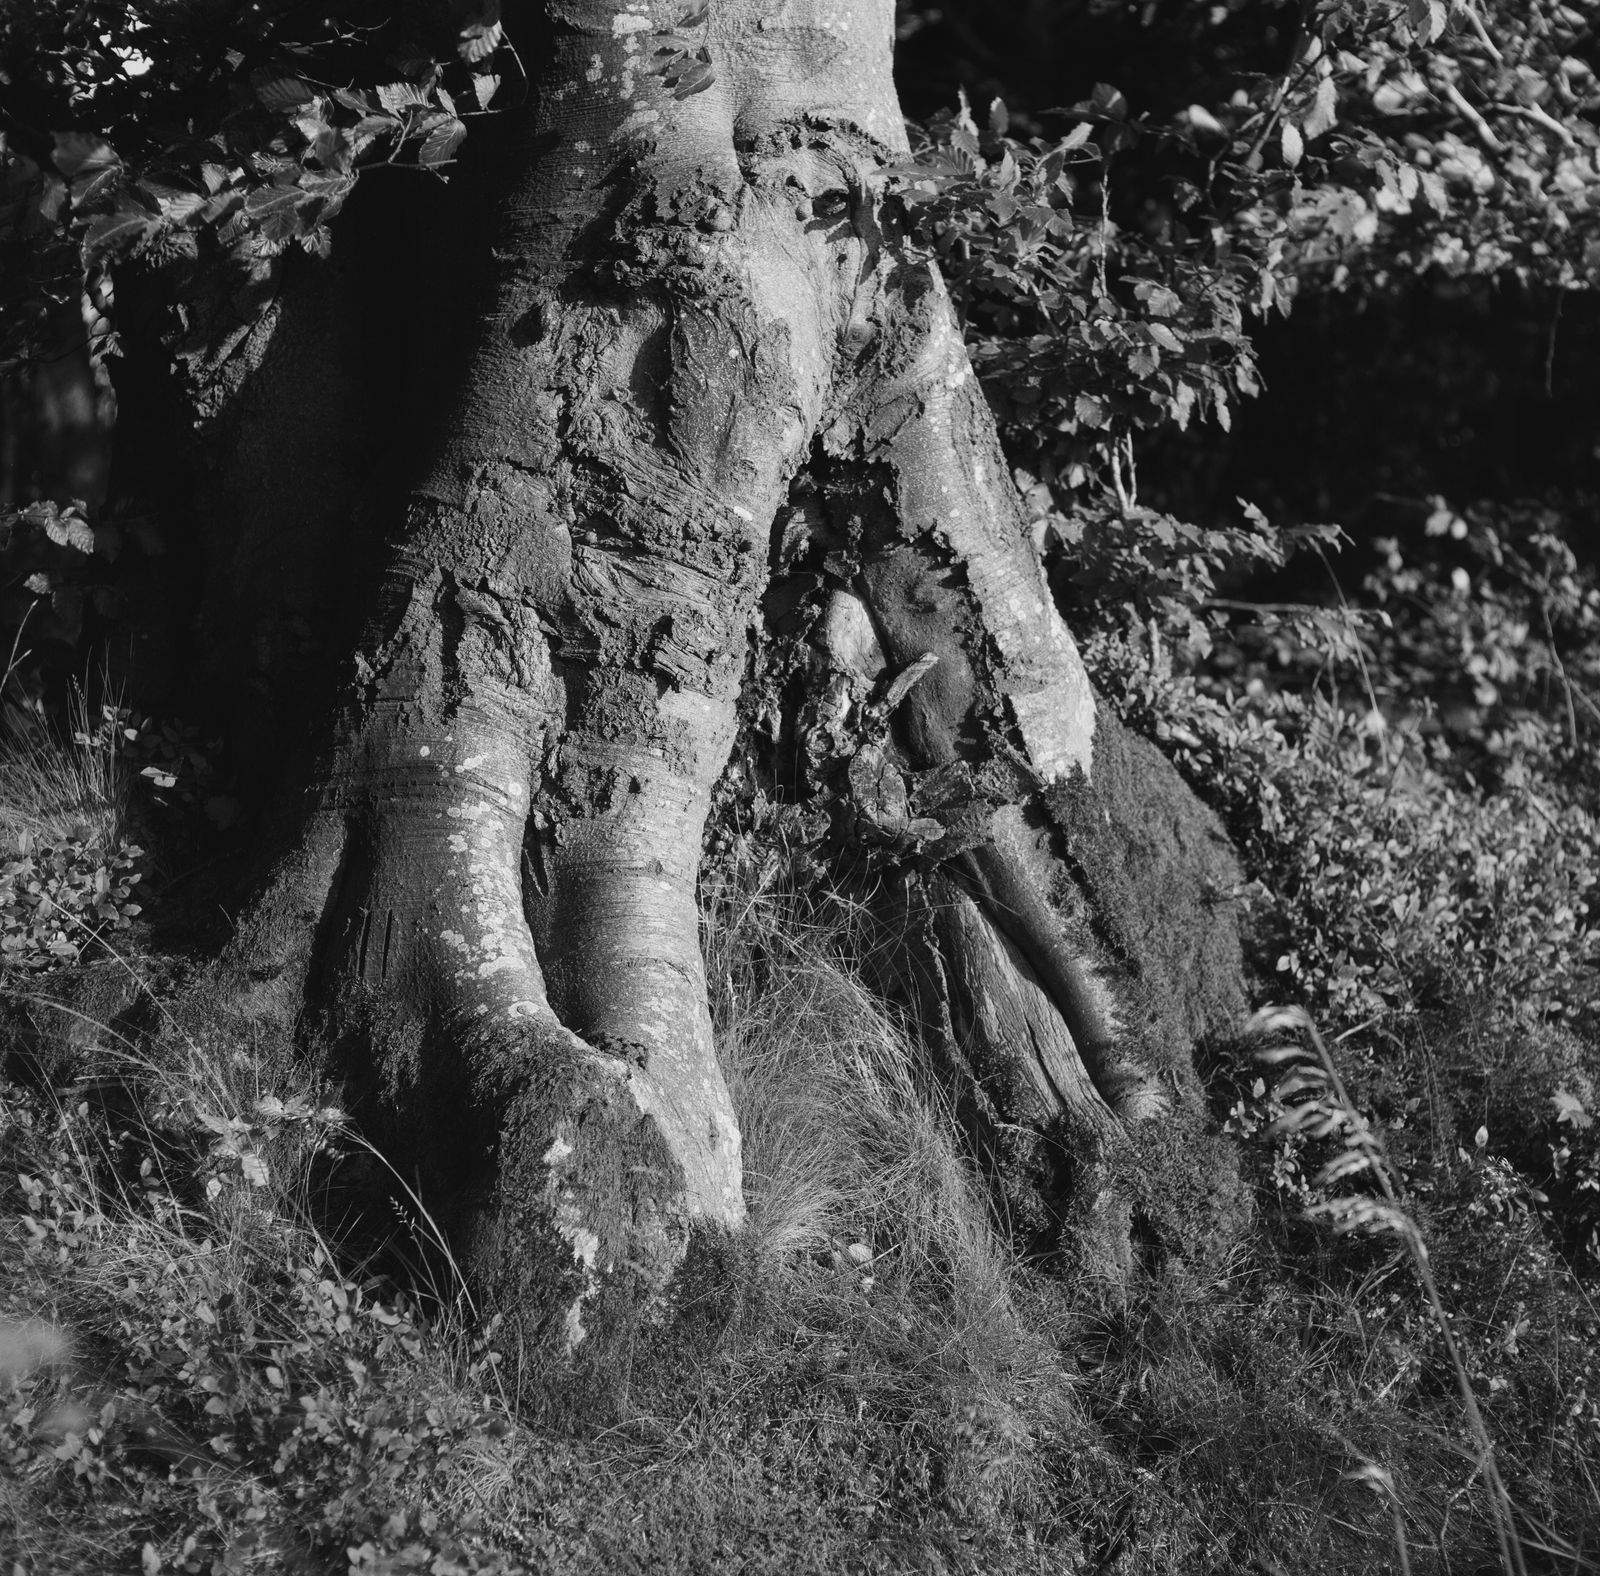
(210, 1361)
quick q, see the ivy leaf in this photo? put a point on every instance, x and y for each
(696, 79)
(1569, 1109)
(1428, 19)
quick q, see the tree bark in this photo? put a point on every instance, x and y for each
(698, 314)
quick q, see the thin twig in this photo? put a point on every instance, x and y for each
(1541, 118)
(1561, 673)
(1485, 133)
(1476, 21)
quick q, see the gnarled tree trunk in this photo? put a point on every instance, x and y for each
(708, 369)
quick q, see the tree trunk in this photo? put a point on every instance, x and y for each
(705, 355)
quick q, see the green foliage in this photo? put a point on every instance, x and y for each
(1499, 600)
(193, 1379)
(46, 573)
(1108, 278)
(265, 1404)
(67, 864)
(176, 763)
(1401, 860)
(1083, 334)
(237, 132)
(56, 901)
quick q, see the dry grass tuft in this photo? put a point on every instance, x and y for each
(56, 790)
(848, 1144)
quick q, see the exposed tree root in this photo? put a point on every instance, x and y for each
(490, 916)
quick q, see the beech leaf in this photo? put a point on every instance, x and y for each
(441, 143)
(283, 92)
(478, 42)
(79, 153)
(113, 232)
(1293, 144)
(396, 97)
(1324, 112)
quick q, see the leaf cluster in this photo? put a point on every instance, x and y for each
(1111, 278)
(53, 568)
(683, 63)
(57, 900)
(1083, 332)
(156, 130)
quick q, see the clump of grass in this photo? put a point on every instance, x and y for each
(58, 788)
(848, 1142)
(879, 1310)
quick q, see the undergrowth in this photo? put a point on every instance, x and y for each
(202, 1377)
(205, 1367)
(67, 864)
